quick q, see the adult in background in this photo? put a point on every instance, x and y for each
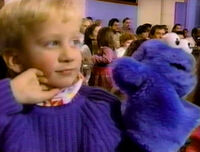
(85, 23)
(157, 32)
(91, 19)
(166, 28)
(126, 27)
(142, 32)
(196, 36)
(185, 32)
(195, 41)
(148, 26)
(177, 28)
(114, 24)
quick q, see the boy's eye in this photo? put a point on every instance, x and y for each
(52, 44)
(75, 43)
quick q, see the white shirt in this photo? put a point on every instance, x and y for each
(120, 52)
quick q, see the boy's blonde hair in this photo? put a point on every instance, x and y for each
(19, 17)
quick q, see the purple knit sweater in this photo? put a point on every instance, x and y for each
(90, 123)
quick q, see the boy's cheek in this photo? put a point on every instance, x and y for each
(48, 69)
(46, 65)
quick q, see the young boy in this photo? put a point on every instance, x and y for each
(36, 43)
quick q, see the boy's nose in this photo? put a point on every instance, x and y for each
(66, 55)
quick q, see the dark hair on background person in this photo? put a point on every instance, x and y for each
(133, 47)
(89, 18)
(154, 28)
(125, 19)
(147, 25)
(141, 29)
(112, 21)
(195, 30)
(196, 93)
(87, 37)
(105, 37)
(175, 26)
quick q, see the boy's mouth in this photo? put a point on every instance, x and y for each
(65, 71)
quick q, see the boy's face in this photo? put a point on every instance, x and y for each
(51, 49)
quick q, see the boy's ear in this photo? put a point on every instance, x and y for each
(12, 60)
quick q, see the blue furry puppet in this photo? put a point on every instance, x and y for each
(155, 80)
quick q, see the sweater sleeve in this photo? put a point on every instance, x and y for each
(8, 104)
(106, 57)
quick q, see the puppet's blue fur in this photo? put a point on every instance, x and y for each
(156, 79)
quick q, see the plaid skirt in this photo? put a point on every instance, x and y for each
(101, 77)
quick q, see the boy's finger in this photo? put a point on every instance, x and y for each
(37, 72)
(44, 87)
(42, 80)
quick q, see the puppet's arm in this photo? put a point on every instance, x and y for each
(129, 75)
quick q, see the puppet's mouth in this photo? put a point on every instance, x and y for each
(178, 66)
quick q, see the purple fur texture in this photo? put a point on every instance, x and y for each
(155, 79)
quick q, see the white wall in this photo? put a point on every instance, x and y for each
(149, 11)
(107, 10)
(168, 13)
(157, 12)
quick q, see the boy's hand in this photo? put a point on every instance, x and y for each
(29, 87)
